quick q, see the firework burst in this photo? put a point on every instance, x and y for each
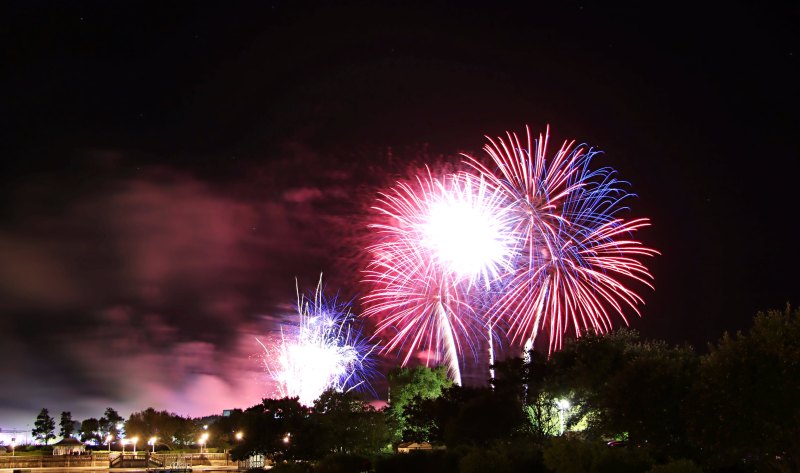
(438, 240)
(323, 351)
(574, 248)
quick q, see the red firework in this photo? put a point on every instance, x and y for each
(576, 252)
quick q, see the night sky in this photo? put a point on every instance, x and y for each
(169, 170)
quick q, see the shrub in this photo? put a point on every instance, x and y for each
(343, 463)
(677, 466)
(563, 455)
(291, 467)
(415, 462)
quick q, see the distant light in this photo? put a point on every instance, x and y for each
(563, 404)
(239, 436)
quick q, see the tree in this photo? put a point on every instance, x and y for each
(526, 381)
(44, 427)
(347, 424)
(67, 424)
(90, 430)
(647, 398)
(109, 422)
(169, 428)
(486, 417)
(407, 383)
(223, 430)
(746, 396)
(279, 429)
(580, 371)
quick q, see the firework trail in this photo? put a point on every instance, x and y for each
(437, 241)
(324, 351)
(573, 248)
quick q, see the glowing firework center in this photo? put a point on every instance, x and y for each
(464, 238)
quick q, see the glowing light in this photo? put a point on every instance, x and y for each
(239, 435)
(562, 405)
(434, 239)
(325, 351)
(464, 229)
(574, 248)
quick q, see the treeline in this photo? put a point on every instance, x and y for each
(613, 403)
(170, 430)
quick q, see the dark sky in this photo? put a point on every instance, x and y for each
(168, 170)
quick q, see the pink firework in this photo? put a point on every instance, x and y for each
(437, 240)
(575, 252)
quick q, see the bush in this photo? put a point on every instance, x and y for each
(291, 467)
(563, 455)
(343, 463)
(481, 461)
(677, 466)
(416, 462)
(519, 455)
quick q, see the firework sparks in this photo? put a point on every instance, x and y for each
(574, 246)
(324, 351)
(436, 239)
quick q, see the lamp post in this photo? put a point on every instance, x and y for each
(133, 441)
(203, 440)
(109, 438)
(13, 446)
(563, 405)
(123, 442)
(152, 442)
(239, 435)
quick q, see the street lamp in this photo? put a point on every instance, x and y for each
(13, 446)
(109, 438)
(562, 405)
(133, 441)
(287, 438)
(152, 442)
(203, 440)
(239, 435)
(123, 442)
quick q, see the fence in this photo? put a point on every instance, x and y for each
(175, 461)
(49, 461)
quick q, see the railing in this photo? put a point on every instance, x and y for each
(175, 461)
(49, 461)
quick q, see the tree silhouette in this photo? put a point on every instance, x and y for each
(44, 427)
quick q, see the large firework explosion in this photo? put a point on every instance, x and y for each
(323, 351)
(438, 240)
(530, 243)
(576, 251)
